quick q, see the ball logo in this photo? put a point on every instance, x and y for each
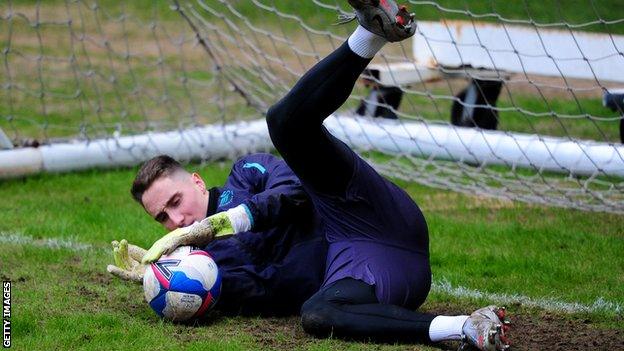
(162, 271)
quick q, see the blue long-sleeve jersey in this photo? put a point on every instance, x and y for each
(277, 265)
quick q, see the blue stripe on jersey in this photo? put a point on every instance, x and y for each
(255, 165)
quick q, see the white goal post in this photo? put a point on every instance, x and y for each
(582, 158)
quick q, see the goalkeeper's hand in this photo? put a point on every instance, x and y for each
(198, 234)
(127, 261)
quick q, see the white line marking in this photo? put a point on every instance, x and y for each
(438, 285)
(599, 305)
(53, 243)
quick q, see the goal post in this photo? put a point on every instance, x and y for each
(508, 102)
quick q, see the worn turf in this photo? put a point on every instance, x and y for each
(55, 229)
(64, 299)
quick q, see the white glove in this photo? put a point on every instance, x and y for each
(198, 234)
(127, 261)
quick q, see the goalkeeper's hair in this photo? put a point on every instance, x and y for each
(155, 168)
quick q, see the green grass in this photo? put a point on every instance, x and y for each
(65, 298)
(573, 12)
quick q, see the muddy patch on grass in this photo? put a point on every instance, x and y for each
(100, 278)
(277, 333)
(530, 331)
(550, 332)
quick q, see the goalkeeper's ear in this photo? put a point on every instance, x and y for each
(199, 182)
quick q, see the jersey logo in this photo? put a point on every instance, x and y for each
(226, 198)
(256, 166)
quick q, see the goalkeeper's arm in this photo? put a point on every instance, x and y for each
(219, 225)
(277, 194)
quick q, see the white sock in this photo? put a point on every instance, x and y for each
(240, 217)
(446, 328)
(364, 43)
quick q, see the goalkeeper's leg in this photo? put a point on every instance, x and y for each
(296, 122)
(349, 308)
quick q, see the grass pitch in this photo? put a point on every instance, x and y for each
(55, 231)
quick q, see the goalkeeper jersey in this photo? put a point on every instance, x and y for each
(280, 263)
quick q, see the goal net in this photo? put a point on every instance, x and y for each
(517, 100)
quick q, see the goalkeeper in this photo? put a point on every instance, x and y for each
(277, 259)
(377, 268)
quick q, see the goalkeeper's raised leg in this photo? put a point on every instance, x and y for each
(378, 270)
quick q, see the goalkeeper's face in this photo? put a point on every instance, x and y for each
(177, 200)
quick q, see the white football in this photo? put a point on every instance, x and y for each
(183, 285)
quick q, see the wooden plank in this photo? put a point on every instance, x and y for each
(513, 48)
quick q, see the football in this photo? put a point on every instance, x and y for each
(183, 285)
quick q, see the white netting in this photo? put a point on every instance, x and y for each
(116, 74)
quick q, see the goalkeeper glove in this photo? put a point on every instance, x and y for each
(127, 261)
(198, 233)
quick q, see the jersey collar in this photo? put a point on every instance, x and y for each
(213, 201)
